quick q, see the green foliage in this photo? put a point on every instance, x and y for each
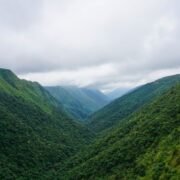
(124, 106)
(38, 140)
(35, 132)
(79, 102)
(144, 146)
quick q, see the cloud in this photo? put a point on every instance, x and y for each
(99, 43)
(81, 77)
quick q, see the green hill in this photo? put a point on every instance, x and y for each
(38, 139)
(35, 132)
(114, 112)
(79, 102)
(144, 146)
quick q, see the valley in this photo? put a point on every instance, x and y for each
(45, 136)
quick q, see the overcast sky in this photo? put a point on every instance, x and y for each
(105, 44)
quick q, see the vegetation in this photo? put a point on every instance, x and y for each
(144, 146)
(79, 102)
(124, 106)
(35, 132)
(38, 139)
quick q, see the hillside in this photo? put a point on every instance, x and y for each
(35, 132)
(79, 102)
(122, 107)
(144, 146)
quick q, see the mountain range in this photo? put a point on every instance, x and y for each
(116, 93)
(76, 133)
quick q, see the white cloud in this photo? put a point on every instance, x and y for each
(81, 77)
(101, 43)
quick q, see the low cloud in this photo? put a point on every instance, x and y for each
(99, 43)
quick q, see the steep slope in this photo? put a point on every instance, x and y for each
(111, 114)
(79, 102)
(144, 146)
(35, 132)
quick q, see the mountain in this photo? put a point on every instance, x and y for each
(39, 140)
(122, 107)
(79, 102)
(35, 131)
(143, 146)
(117, 93)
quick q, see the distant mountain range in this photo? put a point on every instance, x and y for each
(134, 137)
(79, 102)
(117, 93)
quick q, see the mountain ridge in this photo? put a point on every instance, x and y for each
(39, 140)
(35, 131)
(120, 108)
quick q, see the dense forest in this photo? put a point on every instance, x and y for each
(145, 145)
(134, 137)
(35, 132)
(111, 114)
